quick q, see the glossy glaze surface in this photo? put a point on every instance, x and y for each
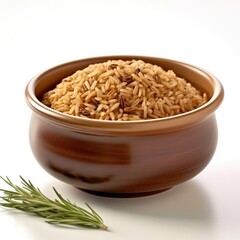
(126, 158)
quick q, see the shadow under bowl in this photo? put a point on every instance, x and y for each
(130, 158)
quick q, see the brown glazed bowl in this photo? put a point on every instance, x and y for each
(130, 158)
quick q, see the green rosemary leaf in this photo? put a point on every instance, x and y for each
(59, 211)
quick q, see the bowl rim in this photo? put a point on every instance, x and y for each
(105, 126)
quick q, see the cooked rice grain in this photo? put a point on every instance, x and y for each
(124, 90)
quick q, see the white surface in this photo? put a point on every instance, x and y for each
(36, 35)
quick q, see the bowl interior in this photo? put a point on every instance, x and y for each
(199, 78)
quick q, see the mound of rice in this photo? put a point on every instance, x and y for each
(124, 90)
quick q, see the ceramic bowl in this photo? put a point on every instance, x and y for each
(130, 158)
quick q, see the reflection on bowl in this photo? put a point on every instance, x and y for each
(124, 158)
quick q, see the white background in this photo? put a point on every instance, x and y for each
(36, 35)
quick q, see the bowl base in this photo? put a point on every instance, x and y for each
(124, 195)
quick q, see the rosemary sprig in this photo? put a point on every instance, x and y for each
(59, 211)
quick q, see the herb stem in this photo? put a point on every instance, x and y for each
(59, 211)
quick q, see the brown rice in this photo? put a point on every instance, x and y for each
(124, 90)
